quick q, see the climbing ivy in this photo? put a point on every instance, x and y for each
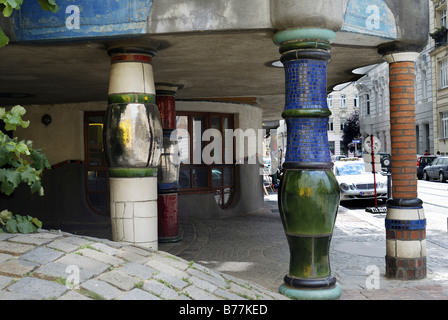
(19, 161)
(18, 224)
(8, 6)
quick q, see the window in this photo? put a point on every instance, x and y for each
(330, 124)
(443, 18)
(380, 103)
(417, 135)
(96, 169)
(366, 104)
(343, 120)
(424, 84)
(356, 101)
(206, 156)
(444, 74)
(444, 125)
(343, 101)
(330, 101)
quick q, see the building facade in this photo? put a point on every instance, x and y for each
(342, 103)
(374, 96)
(374, 105)
(439, 68)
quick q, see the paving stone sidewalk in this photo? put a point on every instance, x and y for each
(53, 265)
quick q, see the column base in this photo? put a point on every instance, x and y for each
(406, 269)
(311, 289)
(330, 293)
(171, 240)
(134, 211)
(405, 239)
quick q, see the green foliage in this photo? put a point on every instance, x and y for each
(351, 131)
(8, 6)
(18, 224)
(19, 162)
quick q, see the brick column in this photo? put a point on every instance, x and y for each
(405, 221)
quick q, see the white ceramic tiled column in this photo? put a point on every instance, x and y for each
(133, 144)
(134, 210)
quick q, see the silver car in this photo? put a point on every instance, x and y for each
(355, 183)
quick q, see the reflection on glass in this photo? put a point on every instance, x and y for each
(217, 177)
(96, 141)
(227, 141)
(198, 144)
(184, 179)
(218, 196)
(228, 176)
(183, 138)
(223, 197)
(215, 123)
(227, 196)
(200, 178)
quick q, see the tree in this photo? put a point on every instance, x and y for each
(351, 131)
(8, 6)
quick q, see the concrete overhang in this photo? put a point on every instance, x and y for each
(217, 50)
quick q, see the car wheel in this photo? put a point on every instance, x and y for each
(442, 177)
(425, 176)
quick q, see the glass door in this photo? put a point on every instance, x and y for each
(96, 169)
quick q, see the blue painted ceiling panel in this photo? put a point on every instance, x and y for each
(371, 17)
(81, 20)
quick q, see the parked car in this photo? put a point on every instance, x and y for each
(437, 170)
(337, 158)
(356, 183)
(422, 162)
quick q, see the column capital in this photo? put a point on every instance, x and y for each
(133, 46)
(171, 89)
(302, 34)
(304, 43)
(401, 57)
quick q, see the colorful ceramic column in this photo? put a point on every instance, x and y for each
(405, 220)
(168, 175)
(309, 192)
(133, 143)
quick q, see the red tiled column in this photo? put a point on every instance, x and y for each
(405, 221)
(168, 174)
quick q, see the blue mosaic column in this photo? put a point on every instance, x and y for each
(309, 193)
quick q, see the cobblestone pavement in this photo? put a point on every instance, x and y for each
(240, 258)
(56, 265)
(257, 251)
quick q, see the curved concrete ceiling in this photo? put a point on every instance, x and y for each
(225, 63)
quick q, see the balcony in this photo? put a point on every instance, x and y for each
(439, 36)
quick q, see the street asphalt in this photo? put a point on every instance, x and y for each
(239, 258)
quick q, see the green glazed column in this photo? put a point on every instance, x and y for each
(309, 193)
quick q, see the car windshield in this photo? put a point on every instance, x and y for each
(350, 169)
